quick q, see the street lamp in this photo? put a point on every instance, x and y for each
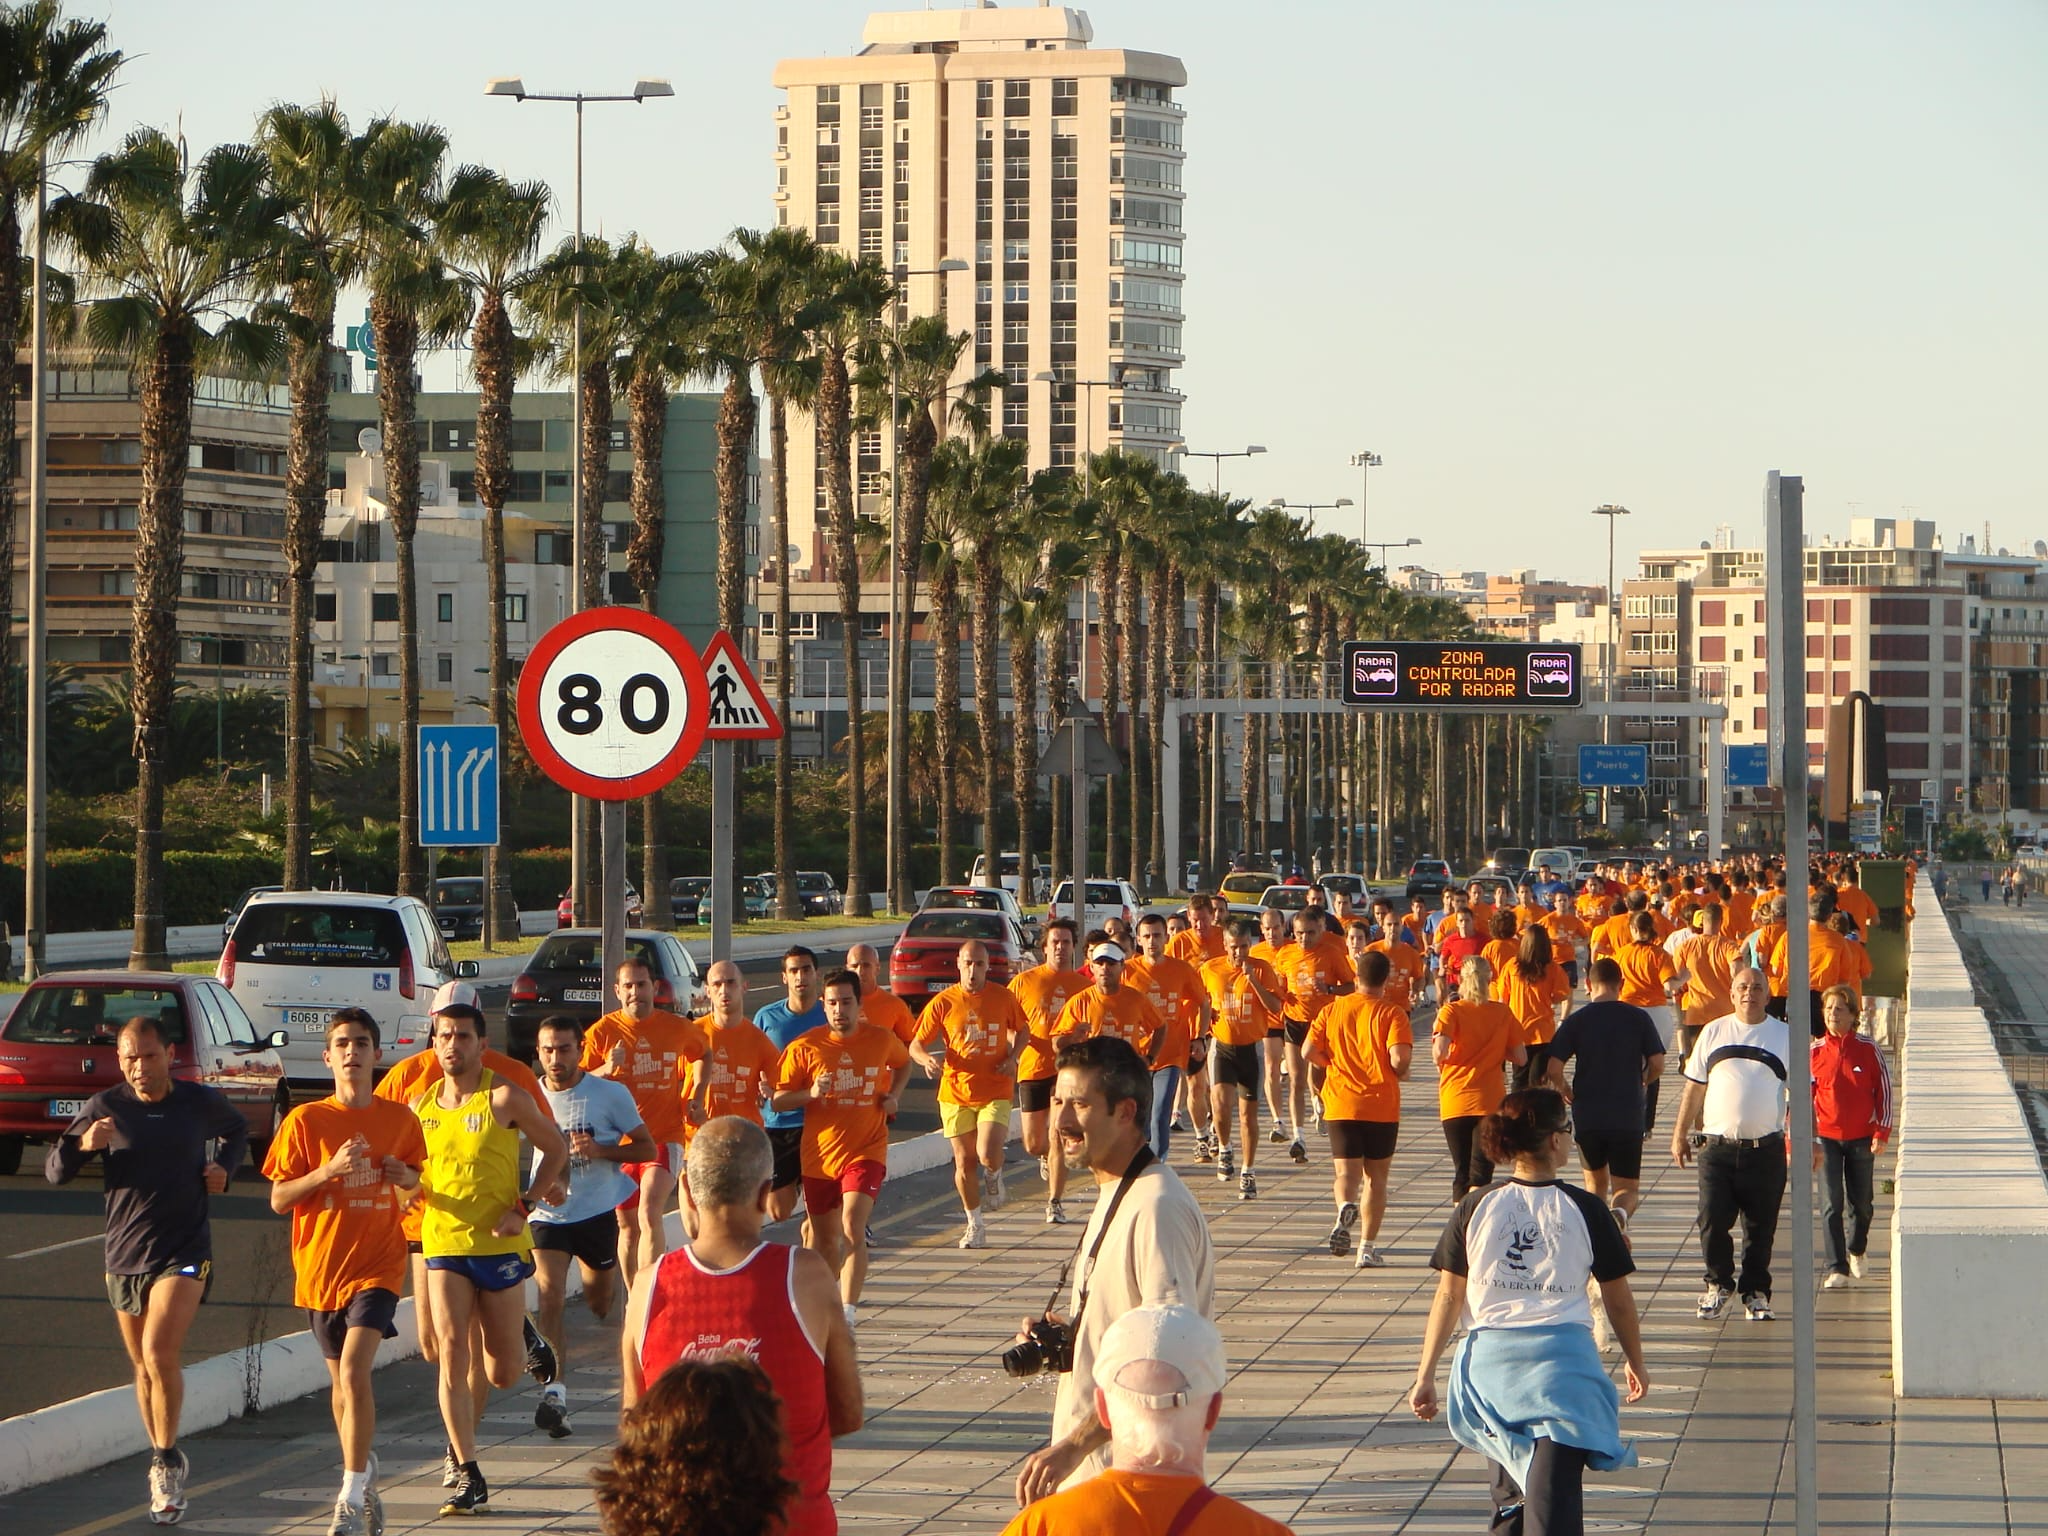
(583, 543)
(1218, 457)
(1610, 511)
(1384, 547)
(899, 600)
(1087, 483)
(1365, 464)
(1282, 504)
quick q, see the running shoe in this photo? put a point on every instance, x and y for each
(348, 1520)
(1713, 1300)
(1277, 1135)
(975, 1236)
(1340, 1235)
(1045, 1169)
(1857, 1267)
(1247, 1185)
(992, 1196)
(1205, 1149)
(1836, 1281)
(1297, 1151)
(541, 1363)
(167, 1474)
(852, 1316)
(1369, 1257)
(469, 1495)
(1178, 1122)
(552, 1413)
(451, 1469)
(373, 1506)
(1226, 1166)
(1055, 1214)
(1756, 1306)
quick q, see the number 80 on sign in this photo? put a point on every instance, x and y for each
(612, 703)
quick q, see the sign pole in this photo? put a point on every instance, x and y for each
(612, 846)
(1717, 785)
(740, 711)
(724, 877)
(1079, 888)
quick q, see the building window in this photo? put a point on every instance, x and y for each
(515, 607)
(1016, 98)
(902, 101)
(323, 607)
(383, 607)
(984, 98)
(444, 607)
(1066, 98)
(444, 668)
(1016, 333)
(383, 664)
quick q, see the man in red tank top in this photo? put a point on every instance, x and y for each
(729, 1292)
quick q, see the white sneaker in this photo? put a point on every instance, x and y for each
(1857, 1267)
(1836, 1281)
(1713, 1301)
(1756, 1306)
(975, 1236)
(167, 1488)
(1055, 1214)
(1177, 1123)
(1369, 1257)
(1226, 1166)
(992, 1188)
(1277, 1135)
(1296, 1150)
(348, 1520)
(852, 1315)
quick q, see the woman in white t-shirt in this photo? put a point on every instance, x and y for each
(1528, 1389)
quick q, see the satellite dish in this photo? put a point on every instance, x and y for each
(370, 440)
(795, 554)
(2041, 549)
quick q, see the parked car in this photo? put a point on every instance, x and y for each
(925, 957)
(1354, 886)
(1105, 899)
(1243, 888)
(566, 975)
(984, 898)
(1041, 876)
(57, 1050)
(459, 907)
(1427, 878)
(1557, 862)
(565, 909)
(817, 890)
(757, 900)
(1285, 898)
(229, 914)
(296, 956)
(686, 895)
(1507, 861)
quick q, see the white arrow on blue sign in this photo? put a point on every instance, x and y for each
(459, 786)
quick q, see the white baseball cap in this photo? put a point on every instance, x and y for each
(1107, 952)
(1173, 1335)
(456, 997)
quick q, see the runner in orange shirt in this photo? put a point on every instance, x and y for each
(736, 1073)
(1533, 986)
(1246, 1000)
(1613, 934)
(648, 1049)
(1568, 936)
(1202, 939)
(1195, 945)
(845, 1077)
(1527, 909)
(1407, 971)
(338, 1167)
(1501, 944)
(1363, 1043)
(1706, 961)
(1475, 1040)
(1318, 972)
(1741, 907)
(1482, 909)
(1109, 1007)
(1043, 991)
(1649, 978)
(878, 1005)
(983, 1030)
(1175, 991)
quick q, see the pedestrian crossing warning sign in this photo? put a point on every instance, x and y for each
(739, 710)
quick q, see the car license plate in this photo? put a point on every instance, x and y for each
(579, 995)
(304, 1018)
(66, 1109)
(447, 925)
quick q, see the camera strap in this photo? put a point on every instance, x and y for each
(1137, 1166)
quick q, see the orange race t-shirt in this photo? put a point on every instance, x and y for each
(1499, 954)
(1357, 1031)
(1533, 1002)
(1042, 992)
(1125, 1013)
(737, 1069)
(1709, 962)
(1281, 958)
(347, 1237)
(1314, 972)
(658, 1050)
(1113, 1501)
(1613, 935)
(1193, 949)
(1174, 989)
(977, 1028)
(847, 1125)
(1469, 1081)
(1567, 934)
(881, 1006)
(422, 1070)
(1741, 913)
(1645, 970)
(1239, 1017)
(1405, 967)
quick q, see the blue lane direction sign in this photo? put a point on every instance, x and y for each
(1614, 766)
(1749, 767)
(459, 786)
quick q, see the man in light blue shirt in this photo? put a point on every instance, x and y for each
(782, 1023)
(604, 1129)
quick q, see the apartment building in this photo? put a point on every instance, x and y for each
(1516, 605)
(2005, 752)
(1001, 137)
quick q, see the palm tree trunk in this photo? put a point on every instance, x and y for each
(1136, 763)
(305, 504)
(647, 425)
(1248, 765)
(12, 722)
(1211, 685)
(1024, 750)
(731, 471)
(1059, 701)
(988, 715)
(788, 905)
(1165, 621)
(496, 376)
(835, 430)
(946, 703)
(397, 330)
(594, 464)
(1109, 640)
(166, 386)
(914, 463)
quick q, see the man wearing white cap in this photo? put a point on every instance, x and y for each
(1158, 1391)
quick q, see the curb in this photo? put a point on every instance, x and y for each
(106, 1426)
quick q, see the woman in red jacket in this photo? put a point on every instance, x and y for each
(1852, 1119)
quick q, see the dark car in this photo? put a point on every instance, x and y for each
(926, 957)
(566, 975)
(1427, 878)
(816, 891)
(58, 1049)
(686, 895)
(459, 907)
(229, 915)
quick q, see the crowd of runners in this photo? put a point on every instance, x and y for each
(464, 1171)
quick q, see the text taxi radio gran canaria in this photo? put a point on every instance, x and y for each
(1481, 675)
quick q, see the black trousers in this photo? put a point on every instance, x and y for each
(1554, 1503)
(1748, 1182)
(1530, 1075)
(1846, 1182)
(1470, 1168)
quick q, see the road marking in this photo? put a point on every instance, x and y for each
(76, 1242)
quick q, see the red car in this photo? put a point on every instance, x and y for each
(57, 1050)
(926, 957)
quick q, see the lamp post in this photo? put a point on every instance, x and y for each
(1610, 511)
(1379, 865)
(1280, 503)
(1218, 458)
(1365, 464)
(584, 546)
(36, 785)
(893, 850)
(1386, 545)
(1087, 484)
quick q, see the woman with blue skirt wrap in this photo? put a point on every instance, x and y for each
(1528, 1389)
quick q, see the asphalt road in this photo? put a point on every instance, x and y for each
(61, 1337)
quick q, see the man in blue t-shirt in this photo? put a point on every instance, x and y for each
(604, 1129)
(782, 1023)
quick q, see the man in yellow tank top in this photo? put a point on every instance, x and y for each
(473, 1234)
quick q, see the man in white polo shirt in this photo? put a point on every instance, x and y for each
(1735, 1096)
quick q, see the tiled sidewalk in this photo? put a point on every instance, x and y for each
(1315, 1432)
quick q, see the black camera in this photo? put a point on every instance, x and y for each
(1046, 1346)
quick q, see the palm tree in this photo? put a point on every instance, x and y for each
(666, 314)
(1042, 565)
(954, 476)
(54, 78)
(401, 174)
(316, 164)
(173, 258)
(1124, 486)
(488, 235)
(988, 515)
(856, 293)
(1211, 541)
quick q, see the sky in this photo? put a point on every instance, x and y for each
(1539, 255)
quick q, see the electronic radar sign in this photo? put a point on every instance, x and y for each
(1476, 676)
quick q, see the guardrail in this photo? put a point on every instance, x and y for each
(1970, 1217)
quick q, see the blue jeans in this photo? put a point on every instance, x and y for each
(1846, 1163)
(1165, 1087)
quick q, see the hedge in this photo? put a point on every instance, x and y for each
(94, 888)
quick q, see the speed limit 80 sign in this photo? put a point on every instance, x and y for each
(612, 703)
